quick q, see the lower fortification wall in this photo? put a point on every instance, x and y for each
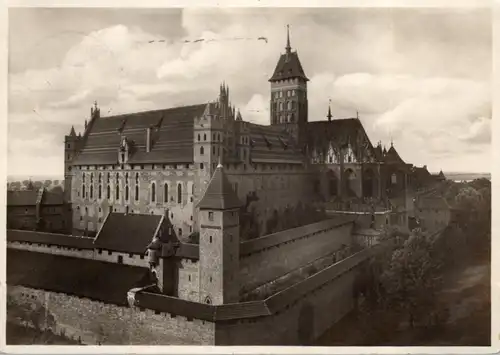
(298, 324)
(94, 322)
(263, 266)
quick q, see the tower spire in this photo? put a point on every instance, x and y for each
(329, 115)
(288, 47)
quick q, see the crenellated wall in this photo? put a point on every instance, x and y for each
(99, 323)
(95, 254)
(271, 261)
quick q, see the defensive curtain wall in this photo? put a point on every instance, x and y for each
(262, 260)
(295, 315)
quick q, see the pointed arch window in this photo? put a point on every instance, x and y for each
(91, 192)
(137, 192)
(202, 150)
(126, 192)
(108, 192)
(179, 193)
(153, 192)
(100, 192)
(165, 193)
(83, 191)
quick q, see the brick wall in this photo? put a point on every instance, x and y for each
(99, 323)
(264, 266)
(43, 248)
(299, 324)
(96, 254)
(189, 280)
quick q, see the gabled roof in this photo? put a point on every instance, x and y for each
(29, 198)
(96, 280)
(128, 233)
(392, 156)
(22, 198)
(51, 198)
(219, 194)
(339, 132)
(171, 135)
(288, 67)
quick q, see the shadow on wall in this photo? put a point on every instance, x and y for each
(306, 324)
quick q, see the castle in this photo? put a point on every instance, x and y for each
(194, 226)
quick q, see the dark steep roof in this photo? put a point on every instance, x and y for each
(96, 280)
(288, 67)
(339, 133)
(219, 194)
(128, 233)
(22, 198)
(272, 144)
(171, 135)
(392, 156)
(51, 198)
(62, 240)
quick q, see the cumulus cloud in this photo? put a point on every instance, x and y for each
(383, 64)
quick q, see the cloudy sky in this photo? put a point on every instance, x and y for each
(420, 76)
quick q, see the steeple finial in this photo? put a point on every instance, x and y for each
(288, 47)
(329, 115)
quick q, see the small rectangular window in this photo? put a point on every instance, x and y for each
(210, 216)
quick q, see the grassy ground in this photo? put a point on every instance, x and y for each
(466, 297)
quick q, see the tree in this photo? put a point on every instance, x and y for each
(412, 277)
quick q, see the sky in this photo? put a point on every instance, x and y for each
(418, 77)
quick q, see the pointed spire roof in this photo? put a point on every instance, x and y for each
(329, 115)
(392, 156)
(72, 132)
(289, 66)
(288, 47)
(219, 194)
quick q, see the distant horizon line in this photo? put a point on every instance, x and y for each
(62, 175)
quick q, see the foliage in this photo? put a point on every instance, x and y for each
(412, 277)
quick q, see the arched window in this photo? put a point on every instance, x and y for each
(202, 150)
(289, 105)
(117, 191)
(137, 192)
(179, 193)
(91, 191)
(281, 106)
(165, 193)
(100, 192)
(213, 149)
(83, 191)
(153, 192)
(214, 137)
(126, 192)
(208, 300)
(83, 178)
(198, 137)
(109, 192)
(204, 137)
(394, 179)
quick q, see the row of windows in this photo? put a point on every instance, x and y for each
(288, 93)
(137, 192)
(290, 105)
(216, 137)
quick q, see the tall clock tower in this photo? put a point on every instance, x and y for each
(289, 105)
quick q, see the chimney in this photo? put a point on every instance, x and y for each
(148, 139)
